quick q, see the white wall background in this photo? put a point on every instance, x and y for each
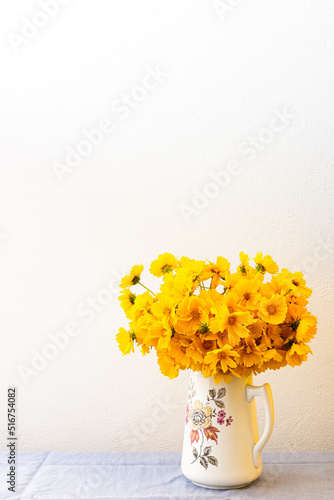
(228, 72)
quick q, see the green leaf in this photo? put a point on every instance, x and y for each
(221, 392)
(213, 461)
(207, 450)
(212, 393)
(204, 462)
(195, 452)
(219, 403)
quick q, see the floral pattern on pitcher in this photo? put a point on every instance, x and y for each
(199, 418)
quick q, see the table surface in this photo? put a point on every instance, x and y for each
(93, 475)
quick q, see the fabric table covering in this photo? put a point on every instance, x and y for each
(128, 475)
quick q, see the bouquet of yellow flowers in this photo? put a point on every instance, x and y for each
(220, 323)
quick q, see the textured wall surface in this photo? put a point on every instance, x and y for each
(132, 128)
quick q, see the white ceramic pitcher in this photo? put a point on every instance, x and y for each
(221, 447)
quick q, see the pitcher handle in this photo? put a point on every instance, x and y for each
(265, 392)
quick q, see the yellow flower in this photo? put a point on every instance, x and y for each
(307, 328)
(167, 364)
(297, 354)
(187, 263)
(236, 327)
(193, 268)
(231, 279)
(165, 263)
(133, 278)
(164, 309)
(127, 300)
(222, 358)
(222, 338)
(272, 360)
(216, 271)
(142, 305)
(265, 264)
(141, 327)
(179, 350)
(278, 284)
(275, 335)
(191, 313)
(157, 334)
(298, 301)
(179, 286)
(231, 301)
(144, 350)
(220, 375)
(194, 354)
(250, 353)
(165, 338)
(184, 350)
(256, 329)
(297, 283)
(200, 416)
(248, 291)
(212, 298)
(204, 343)
(299, 324)
(241, 371)
(235, 323)
(273, 310)
(206, 370)
(125, 341)
(272, 355)
(266, 337)
(244, 264)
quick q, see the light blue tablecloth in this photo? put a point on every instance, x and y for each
(111, 476)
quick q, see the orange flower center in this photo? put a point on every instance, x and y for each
(271, 309)
(232, 320)
(222, 335)
(167, 311)
(295, 282)
(195, 314)
(221, 355)
(247, 296)
(251, 328)
(208, 344)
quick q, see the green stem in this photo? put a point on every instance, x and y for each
(146, 288)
